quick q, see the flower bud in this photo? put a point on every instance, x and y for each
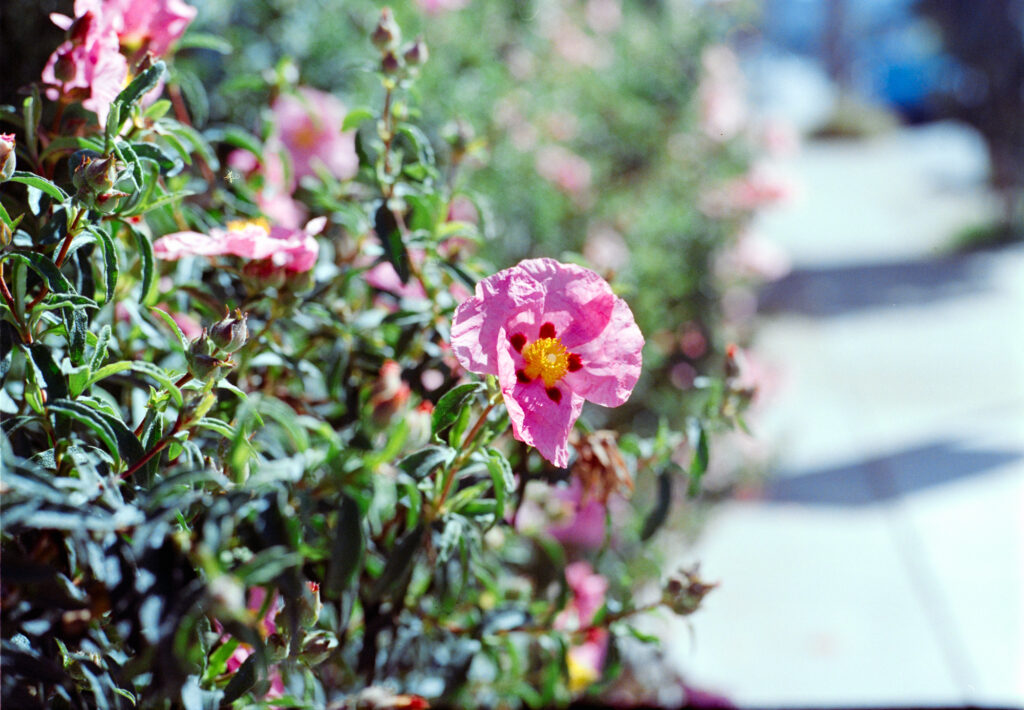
(387, 34)
(201, 363)
(310, 605)
(230, 333)
(64, 68)
(318, 646)
(390, 64)
(415, 53)
(8, 158)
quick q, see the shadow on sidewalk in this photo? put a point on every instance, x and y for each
(887, 477)
(830, 291)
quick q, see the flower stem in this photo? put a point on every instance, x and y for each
(466, 451)
(24, 332)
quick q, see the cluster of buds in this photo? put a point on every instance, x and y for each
(395, 58)
(210, 353)
(684, 591)
(94, 175)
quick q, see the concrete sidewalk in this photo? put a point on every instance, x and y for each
(882, 563)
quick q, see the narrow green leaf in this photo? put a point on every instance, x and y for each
(659, 513)
(39, 183)
(386, 226)
(698, 439)
(146, 259)
(110, 261)
(243, 679)
(42, 359)
(143, 368)
(99, 352)
(168, 164)
(421, 463)
(139, 86)
(347, 548)
(55, 280)
(399, 564)
(91, 418)
(204, 40)
(450, 406)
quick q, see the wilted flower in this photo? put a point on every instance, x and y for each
(599, 466)
(309, 126)
(684, 591)
(8, 157)
(554, 334)
(292, 250)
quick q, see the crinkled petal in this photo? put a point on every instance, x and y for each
(479, 320)
(578, 301)
(537, 419)
(611, 362)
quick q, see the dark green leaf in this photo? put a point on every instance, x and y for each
(243, 679)
(140, 85)
(659, 513)
(56, 384)
(399, 564)
(698, 439)
(146, 259)
(421, 463)
(168, 164)
(44, 267)
(450, 406)
(386, 226)
(39, 183)
(424, 151)
(202, 40)
(347, 547)
(110, 264)
(77, 323)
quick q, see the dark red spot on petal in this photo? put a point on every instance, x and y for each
(575, 362)
(547, 330)
(521, 376)
(555, 394)
(518, 340)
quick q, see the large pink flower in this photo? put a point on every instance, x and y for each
(294, 250)
(554, 334)
(309, 126)
(89, 66)
(139, 24)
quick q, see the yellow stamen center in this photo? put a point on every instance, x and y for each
(239, 225)
(546, 358)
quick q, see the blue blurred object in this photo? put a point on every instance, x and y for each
(879, 49)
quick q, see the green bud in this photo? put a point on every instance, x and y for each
(387, 34)
(415, 53)
(202, 365)
(684, 591)
(390, 64)
(230, 333)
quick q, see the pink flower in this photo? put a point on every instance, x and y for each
(434, 7)
(153, 24)
(723, 104)
(309, 126)
(585, 660)
(555, 335)
(564, 169)
(581, 524)
(88, 66)
(293, 250)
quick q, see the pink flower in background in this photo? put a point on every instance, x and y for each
(564, 169)
(762, 186)
(555, 335)
(581, 525)
(274, 197)
(605, 248)
(721, 93)
(152, 25)
(753, 256)
(434, 7)
(89, 66)
(603, 16)
(294, 250)
(585, 660)
(309, 126)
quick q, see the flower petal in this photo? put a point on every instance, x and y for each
(479, 320)
(172, 247)
(578, 301)
(611, 362)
